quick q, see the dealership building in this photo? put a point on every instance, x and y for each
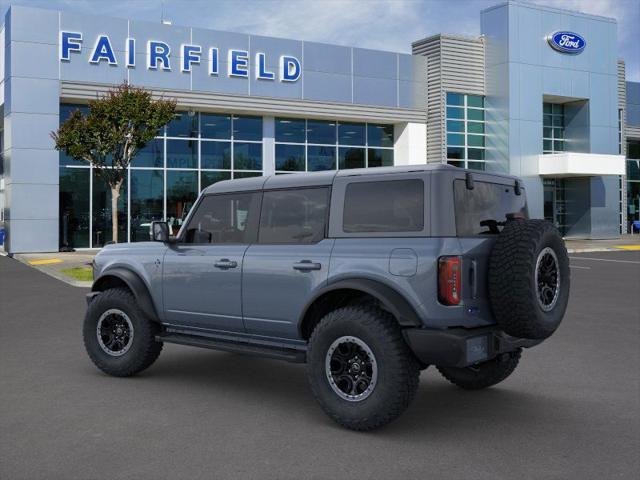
(541, 94)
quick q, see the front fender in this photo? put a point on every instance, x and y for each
(137, 286)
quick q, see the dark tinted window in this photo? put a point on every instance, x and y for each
(294, 216)
(390, 206)
(483, 209)
(228, 218)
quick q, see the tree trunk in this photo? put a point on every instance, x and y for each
(115, 194)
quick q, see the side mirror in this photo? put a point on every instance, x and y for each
(160, 232)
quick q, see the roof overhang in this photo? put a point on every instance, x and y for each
(573, 164)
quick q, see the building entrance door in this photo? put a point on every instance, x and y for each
(555, 203)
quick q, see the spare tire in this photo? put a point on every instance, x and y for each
(529, 279)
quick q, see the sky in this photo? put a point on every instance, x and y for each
(378, 24)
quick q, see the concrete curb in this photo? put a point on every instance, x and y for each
(54, 274)
(591, 250)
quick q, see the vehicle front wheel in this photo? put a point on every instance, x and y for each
(118, 337)
(484, 374)
(360, 368)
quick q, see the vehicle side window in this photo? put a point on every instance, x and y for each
(228, 218)
(384, 206)
(294, 216)
(484, 209)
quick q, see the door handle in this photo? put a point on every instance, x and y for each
(305, 265)
(225, 263)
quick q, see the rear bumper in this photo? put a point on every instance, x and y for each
(461, 347)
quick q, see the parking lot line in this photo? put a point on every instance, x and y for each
(582, 268)
(48, 261)
(604, 260)
(627, 247)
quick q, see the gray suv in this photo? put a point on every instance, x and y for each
(367, 276)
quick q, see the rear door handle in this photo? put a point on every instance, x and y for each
(306, 265)
(225, 263)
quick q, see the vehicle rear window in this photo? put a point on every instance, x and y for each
(294, 216)
(483, 210)
(384, 206)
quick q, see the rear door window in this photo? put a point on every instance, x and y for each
(483, 210)
(295, 216)
(384, 206)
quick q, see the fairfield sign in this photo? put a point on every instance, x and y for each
(159, 56)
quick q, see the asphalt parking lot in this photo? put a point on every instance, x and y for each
(571, 410)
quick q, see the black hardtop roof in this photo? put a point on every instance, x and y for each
(312, 179)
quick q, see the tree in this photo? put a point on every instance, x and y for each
(117, 126)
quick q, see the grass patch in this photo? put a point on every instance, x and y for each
(81, 274)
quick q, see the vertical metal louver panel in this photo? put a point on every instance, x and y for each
(454, 64)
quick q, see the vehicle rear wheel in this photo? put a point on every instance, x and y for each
(118, 337)
(484, 374)
(361, 371)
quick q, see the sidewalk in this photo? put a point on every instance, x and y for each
(73, 268)
(626, 242)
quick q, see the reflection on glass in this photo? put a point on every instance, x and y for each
(455, 152)
(182, 153)
(380, 135)
(247, 128)
(475, 127)
(151, 155)
(351, 133)
(215, 126)
(475, 101)
(247, 156)
(290, 130)
(455, 98)
(74, 207)
(320, 131)
(477, 115)
(455, 139)
(321, 158)
(378, 157)
(216, 155)
(351, 157)
(209, 178)
(246, 174)
(290, 158)
(475, 140)
(455, 126)
(182, 191)
(455, 112)
(102, 231)
(147, 188)
(184, 124)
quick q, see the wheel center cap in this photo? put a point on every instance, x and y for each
(355, 367)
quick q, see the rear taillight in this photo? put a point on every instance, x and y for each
(449, 285)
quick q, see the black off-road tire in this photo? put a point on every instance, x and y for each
(143, 350)
(398, 370)
(513, 291)
(484, 374)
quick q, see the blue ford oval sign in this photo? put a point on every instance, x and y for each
(567, 42)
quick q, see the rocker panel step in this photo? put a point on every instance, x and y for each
(280, 353)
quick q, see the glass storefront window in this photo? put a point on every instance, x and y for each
(351, 157)
(290, 158)
(321, 158)
(246, 174)
(379, 135)
(552, 127)
(182, 191)
(247, 156)
(182, 154)
(215, 155)
(320, 131)
(290, 130)
(152, 155)
(185, 124)
(215, 126)
(351, 133)
(102, 231)
(209, 178)
(379, 157)
(74, 207)
(147, 194)
(465, 130)
(247, 128)
(66, 109)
